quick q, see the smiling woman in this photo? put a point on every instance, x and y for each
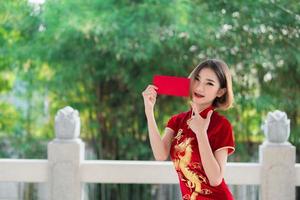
(199, 140)
(213, 76)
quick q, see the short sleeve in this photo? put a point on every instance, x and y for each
(224, 138)
(173, 123)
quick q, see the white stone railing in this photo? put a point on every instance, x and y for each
(65, 171)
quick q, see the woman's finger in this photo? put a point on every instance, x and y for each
(188, 122)
(194, 109)
(151, 94)
(153, 87)
(150, 90)
(209, 114)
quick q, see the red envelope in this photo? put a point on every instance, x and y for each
(172, 85)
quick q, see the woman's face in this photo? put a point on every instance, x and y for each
(205, 88)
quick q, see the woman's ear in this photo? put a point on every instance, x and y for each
(221, 92)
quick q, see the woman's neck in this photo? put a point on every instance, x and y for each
(203, 107)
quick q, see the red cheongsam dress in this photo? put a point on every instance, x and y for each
(185, 155)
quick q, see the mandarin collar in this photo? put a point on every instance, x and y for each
(204, 112)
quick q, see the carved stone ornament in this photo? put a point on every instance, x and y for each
(67, 123)
(277, 127)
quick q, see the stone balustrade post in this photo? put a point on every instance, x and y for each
(277, 158)
(65, 153)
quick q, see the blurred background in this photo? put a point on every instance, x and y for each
(99, 55)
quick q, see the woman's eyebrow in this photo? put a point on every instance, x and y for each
(210, 80)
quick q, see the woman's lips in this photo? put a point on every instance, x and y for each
(198, 95)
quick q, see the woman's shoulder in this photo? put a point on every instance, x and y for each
(179, 117)
(220, 118)
(176, 120)
(220, 124)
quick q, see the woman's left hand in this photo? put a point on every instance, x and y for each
(197, 123)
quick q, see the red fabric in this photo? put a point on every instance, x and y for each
(185, 155)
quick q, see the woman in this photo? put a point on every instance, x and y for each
(199, 140)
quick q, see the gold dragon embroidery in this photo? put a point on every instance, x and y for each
(193, 180)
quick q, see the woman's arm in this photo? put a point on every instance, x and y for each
(160, 146)
(213, 163)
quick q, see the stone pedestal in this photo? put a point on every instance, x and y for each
(277, 158)
(65, 153)
(278, 174)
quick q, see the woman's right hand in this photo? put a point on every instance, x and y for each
(149, 95)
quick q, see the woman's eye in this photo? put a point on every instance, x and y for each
(210, 84)
(197, 79)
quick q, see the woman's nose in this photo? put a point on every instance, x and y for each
(199, 87)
